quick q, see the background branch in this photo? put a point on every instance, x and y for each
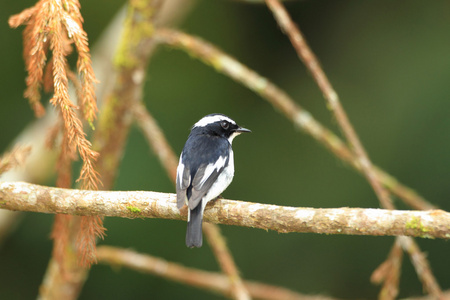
(214, 282)
(305, 53)
(229, 66)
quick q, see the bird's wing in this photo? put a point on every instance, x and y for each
(201, 162)
(204, 178)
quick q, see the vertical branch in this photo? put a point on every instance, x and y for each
(158, 142)
(131, 60)
(61, 231)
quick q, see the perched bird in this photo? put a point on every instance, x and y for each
(206, 169)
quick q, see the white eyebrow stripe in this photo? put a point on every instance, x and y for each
(212, 119)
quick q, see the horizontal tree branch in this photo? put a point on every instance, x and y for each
(21, 196)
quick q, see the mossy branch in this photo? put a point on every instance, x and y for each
(21, 196)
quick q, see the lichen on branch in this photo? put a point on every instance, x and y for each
(351, 221)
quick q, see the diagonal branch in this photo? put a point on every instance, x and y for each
(312, 63)
(156, 140)
(229, 66)
(422, 266)
(309, 59)
(223, 255)
(21, 196)
(14, 158)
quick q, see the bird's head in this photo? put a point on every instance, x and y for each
(219, 125)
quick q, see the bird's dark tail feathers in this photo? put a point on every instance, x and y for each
(194, 227)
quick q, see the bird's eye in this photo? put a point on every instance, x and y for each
(225, 125)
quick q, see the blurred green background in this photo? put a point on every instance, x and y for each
(389, 62)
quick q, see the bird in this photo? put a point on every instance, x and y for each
(205, 169)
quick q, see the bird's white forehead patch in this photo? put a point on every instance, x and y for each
(212, 119)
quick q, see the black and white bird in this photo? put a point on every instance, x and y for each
(206, 169)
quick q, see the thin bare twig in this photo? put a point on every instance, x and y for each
(353, 221)
(280, 100)
(161, 147)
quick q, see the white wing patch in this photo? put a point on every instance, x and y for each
(222, 182)
(212, 119)
(180, 170)
(220, 163)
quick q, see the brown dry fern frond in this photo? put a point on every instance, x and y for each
(47, 21)
(52, 29)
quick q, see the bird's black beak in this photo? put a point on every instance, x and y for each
(242, 129)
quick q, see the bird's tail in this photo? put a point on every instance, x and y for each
(194, 227)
